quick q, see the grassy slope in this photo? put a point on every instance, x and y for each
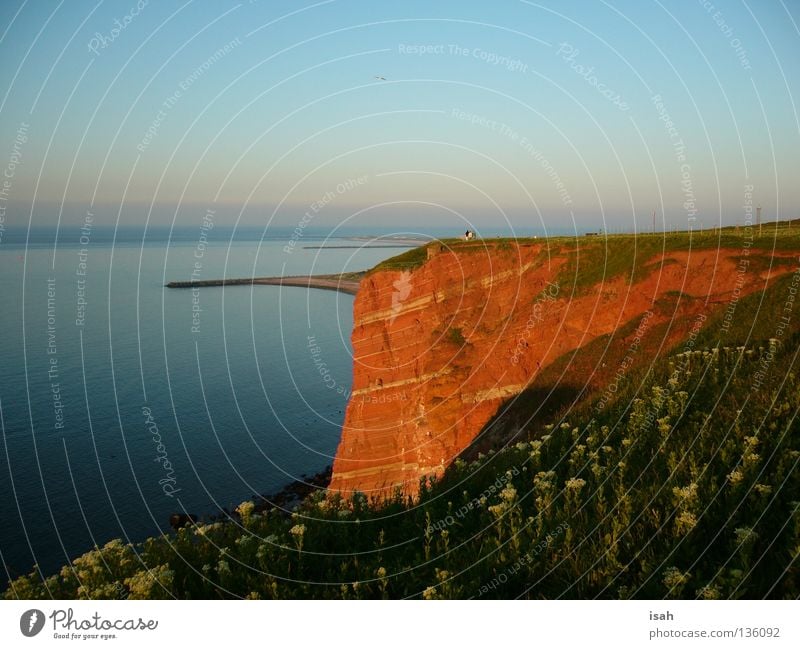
(594, 258)
(684, 485)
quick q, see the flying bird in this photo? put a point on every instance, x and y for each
(380, 78)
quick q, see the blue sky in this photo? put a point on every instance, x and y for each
(531, 114)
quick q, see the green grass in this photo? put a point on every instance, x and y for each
(350, 276)
(456, 336)
(601, 258)
(754, 319)
(407, 260)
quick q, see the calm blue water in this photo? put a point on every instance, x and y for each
(233, 395)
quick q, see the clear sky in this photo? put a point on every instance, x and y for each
(539, 113)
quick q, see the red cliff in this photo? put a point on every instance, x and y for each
(440, 346)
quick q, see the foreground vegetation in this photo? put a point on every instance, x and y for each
(686, 486)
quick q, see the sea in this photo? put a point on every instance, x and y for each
(123, 402)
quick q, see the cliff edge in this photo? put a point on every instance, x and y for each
(447, 336)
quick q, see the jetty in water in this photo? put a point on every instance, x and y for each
(343, 282)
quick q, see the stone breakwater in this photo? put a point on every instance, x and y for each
(345, 283)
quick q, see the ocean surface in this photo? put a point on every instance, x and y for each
(122, 402)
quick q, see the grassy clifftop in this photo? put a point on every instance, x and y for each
(601, 257)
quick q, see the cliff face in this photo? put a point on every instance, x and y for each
(439, 348)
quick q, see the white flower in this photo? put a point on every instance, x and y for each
(708, 592)
(575, 484)
(685, 522)
(673, 577)
(751, 458)
(245, 509)
(735, 477)
(688, 493)
(509, 493)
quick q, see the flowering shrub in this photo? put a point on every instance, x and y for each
(686, 486)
